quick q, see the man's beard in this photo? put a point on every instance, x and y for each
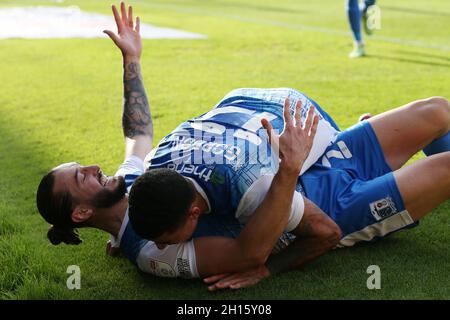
(107, 198)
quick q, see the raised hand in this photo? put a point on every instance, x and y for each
(128, 39)
(294, 143)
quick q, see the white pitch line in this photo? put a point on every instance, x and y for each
(406, 42)
(43, 22)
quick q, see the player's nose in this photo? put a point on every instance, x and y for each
(93, 169)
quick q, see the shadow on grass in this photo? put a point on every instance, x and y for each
(408, 60)
(423, 54)
(415, 11)
(25, 160)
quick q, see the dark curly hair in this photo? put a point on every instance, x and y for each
(159, 202)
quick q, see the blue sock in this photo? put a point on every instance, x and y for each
(354, 17)
(439, 145)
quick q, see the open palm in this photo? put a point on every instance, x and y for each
(128, 39)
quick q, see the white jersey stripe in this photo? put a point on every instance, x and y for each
(378, 229)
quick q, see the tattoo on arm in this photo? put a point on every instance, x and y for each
(136, 119)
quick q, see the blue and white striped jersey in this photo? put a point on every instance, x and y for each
(228, 176)
(226, 153)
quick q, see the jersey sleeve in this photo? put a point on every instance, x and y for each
(176, 260)
(255, 196)
(132, 165)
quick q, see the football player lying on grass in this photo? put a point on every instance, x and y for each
(73, 196)
(359, 182)
(341, 181)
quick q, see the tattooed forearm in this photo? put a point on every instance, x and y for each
(136, 119)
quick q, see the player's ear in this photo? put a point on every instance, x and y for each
(81, 213)
(194, 212)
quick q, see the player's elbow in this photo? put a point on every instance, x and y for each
(261, 259)
(330, 234)
(256, 259)
(251, 253)
(334, 236)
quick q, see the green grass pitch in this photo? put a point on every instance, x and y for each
(60, 100)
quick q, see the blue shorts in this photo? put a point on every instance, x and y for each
(355, 186)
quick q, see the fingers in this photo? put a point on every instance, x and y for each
(218, 285)
(226, 282)
(236, 282)
(130, 17)
(215, 278)
(214, 287)
(138, 24)
(298, 114)
(112, 36)
(266, 125)
(124, 13)
(287, 114)
(243, 284)
(117, 18)
(314, 126)
(309, 119)
(124, 19)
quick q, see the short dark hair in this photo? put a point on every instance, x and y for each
(56, 209)
(159, 202)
